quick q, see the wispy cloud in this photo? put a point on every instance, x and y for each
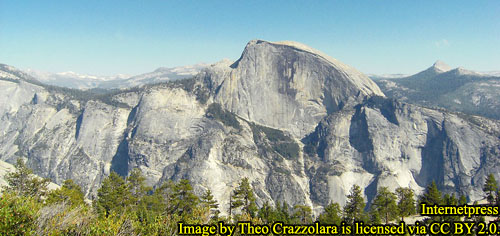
(443, 43)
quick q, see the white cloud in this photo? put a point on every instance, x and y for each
(443, 43)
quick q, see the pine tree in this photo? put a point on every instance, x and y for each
(163, 194)
(208, 201)
(462, 200)
(432, 195)
(450, 200)
(136, 184)
(302, 214)
(331, 215)
(385, 204)
(490, 188)
(157, 204)
(23, 183)
(354, 208)
(267, 213)
(244, 197)
(406, 202)
(375, 218)
(183, 200)
(283, 212)
(113, 196)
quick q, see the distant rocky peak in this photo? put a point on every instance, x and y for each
(441, 66)
(463, 71)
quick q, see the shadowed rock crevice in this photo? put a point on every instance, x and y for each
(386, 106)
(120, 161)
(371, 192)
(316, 143)
(131, 115)
(359, 136)
(432, 156)
(78, 125)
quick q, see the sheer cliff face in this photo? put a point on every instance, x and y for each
(387, 143)
(304, 128)
(288, 85)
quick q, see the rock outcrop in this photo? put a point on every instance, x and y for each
(287, 85)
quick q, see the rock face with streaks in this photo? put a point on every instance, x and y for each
(300, 125)
(288, 85)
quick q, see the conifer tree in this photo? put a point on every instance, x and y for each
(450, 200)
(302, 214)
(331, 215)
(162, 196)
(207, 200)
(267, 213)
(244, 197)
(385, 204)
(283, 212)
(113, 195)
(354, 208)
(490, 188)
(375, 217)
(136, 184)
(406, 202)
(462, 200)
(432, 195)
(182, 199)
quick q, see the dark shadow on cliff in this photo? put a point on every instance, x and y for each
(432, 156)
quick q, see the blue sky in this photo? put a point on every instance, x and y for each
(133, 37)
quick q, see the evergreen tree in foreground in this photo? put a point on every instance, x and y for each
(207, 199)
(113, 196)
(432, 195)
(462, 200)
(136, 184)
(182, 199)
(450, 200)
(243, 196)
(406, 202)
(490, 188)
(267, 213)
(354, 208)
(384, 204)
(331, 215)
(283, 212)
(302, 214)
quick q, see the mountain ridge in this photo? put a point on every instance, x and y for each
(74, 80)
(456, 89)
(298, 128)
